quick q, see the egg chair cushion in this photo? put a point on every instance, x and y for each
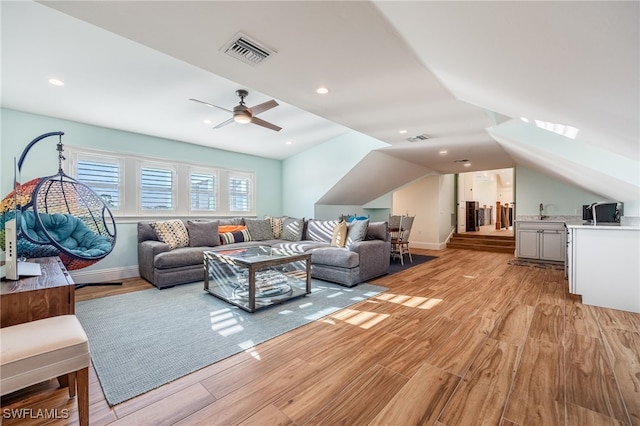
(69, 232)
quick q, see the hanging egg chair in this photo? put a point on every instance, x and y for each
(60, 216)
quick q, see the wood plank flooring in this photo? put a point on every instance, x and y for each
(464, 339)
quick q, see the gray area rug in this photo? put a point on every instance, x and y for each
(142, 340)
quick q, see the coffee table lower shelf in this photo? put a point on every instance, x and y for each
(257, 277)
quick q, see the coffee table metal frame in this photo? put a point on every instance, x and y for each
(227, 272)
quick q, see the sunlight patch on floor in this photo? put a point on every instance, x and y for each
(362, 319)
(410, 301)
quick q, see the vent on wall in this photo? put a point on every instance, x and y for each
(247, 50)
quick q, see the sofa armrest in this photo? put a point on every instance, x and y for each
(375, 256)
(147, 251)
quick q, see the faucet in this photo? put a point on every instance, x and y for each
(541, 210)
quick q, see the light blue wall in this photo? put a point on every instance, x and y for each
(19, 128)
(559, 199)
(309, 175)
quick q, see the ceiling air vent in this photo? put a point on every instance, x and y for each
(246, 50)
(422, 137)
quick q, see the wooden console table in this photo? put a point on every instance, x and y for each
(34, 298)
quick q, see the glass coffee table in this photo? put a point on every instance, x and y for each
(256, 277)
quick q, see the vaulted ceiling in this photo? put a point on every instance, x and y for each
(462, 73)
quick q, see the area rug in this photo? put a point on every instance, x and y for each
(418, 259)
(534, 264)
(142, 340)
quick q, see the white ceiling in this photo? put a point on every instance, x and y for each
(452, 70)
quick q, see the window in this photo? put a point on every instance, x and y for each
(239, 194)
(103, 176)
(203, 191)
(156, 188)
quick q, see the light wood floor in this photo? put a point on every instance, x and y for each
(464, 339)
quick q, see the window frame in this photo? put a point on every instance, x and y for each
(130, 166)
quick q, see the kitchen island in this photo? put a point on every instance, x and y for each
(604, 266)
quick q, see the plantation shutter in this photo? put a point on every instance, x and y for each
(203, 191)
(239, 194)
(103, 177)
(157, 188)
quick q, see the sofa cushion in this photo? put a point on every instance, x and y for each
(183, 256)
(377, 231)
(356, 231)
(335, 256)
(203, 233)
(259, 229)
(235, 237)
(146, 232)
(292, 229)
(320, 230)
(300, 246)
(230, 228)
(231, 221)
(172, 232)
(339, 237)
(276, 226)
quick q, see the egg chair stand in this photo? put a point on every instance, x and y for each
(64, 217)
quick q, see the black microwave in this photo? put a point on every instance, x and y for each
(602, 212)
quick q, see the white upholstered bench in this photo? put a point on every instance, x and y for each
(37, 351)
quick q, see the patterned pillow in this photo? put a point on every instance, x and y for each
(292, 229)
(235, 237)
(260, 229)
(320, 230)
(171, 232)
(339, 234)
(276, 226)
(356, 231)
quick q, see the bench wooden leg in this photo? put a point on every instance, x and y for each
(82, 378)
(71, 382)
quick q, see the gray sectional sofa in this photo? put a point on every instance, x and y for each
(171, 252)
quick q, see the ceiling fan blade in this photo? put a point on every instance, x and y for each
(260, 122)
(209, 105)
(224, 123)
(263, 107)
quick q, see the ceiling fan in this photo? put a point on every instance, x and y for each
(243, 114)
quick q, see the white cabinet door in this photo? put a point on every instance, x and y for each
(552, 245)
(527, 246)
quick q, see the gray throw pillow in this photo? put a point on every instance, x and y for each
(259, 229)
(203, 233)
(292, 229)
(356, 231)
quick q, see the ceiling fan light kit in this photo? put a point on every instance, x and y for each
(243, 114)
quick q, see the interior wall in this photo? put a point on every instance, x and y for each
(307, 176)
(19, 128)
(430, 199)
(558, 198)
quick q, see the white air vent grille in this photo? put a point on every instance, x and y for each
(422, 137)
(246, 50)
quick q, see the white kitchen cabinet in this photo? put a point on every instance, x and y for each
(603, 266)
(541, 240)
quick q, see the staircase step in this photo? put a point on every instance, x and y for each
(494, 243)
(483, 247)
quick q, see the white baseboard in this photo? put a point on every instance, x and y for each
(428, 246)
(104, 275)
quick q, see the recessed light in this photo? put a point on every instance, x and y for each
(443, 152)
(322, 90)
(56, 82)
(207, 121)
(288, 143)
(467, 164)
(402, 132)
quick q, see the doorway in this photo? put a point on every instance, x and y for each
(485, 202)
